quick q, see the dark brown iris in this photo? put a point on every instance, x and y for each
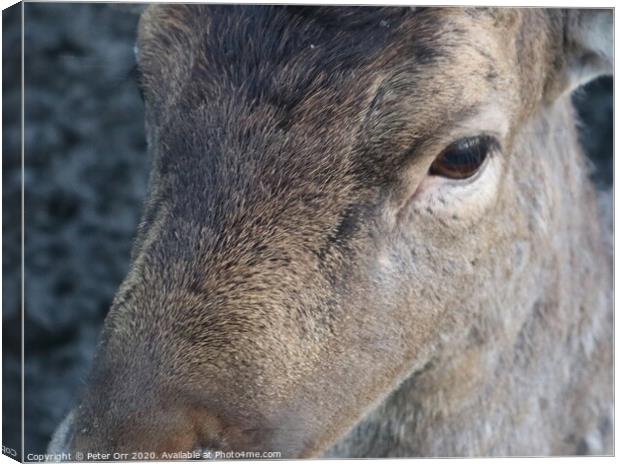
(463, 158)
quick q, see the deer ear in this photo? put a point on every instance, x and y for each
(588, 44)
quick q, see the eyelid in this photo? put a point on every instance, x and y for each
(490, 120)
(469, 141)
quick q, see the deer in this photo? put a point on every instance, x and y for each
(369, 232)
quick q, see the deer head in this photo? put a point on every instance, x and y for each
(337, 196)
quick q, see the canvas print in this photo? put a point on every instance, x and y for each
(302, 231)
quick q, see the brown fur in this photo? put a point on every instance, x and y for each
(297, 273)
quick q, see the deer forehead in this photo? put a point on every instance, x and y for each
(315, 66)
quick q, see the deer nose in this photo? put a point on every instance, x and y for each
(136, 434)
(159, 431)
(128, 408)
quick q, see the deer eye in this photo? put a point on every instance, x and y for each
(463, 158)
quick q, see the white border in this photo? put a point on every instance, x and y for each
(548, 3)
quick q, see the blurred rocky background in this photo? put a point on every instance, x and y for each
(86, 170)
